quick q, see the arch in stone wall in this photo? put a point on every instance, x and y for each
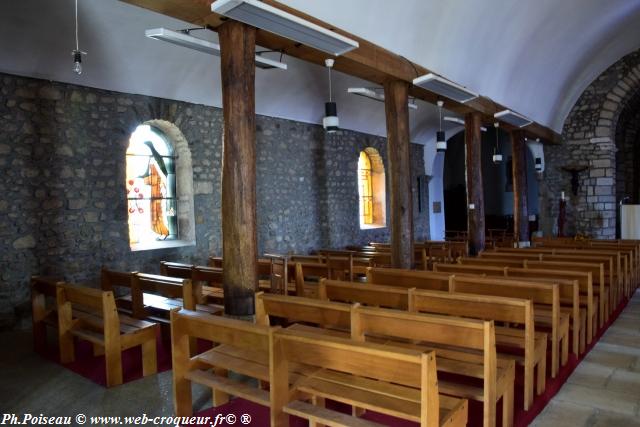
(589, 140)
(184, 178)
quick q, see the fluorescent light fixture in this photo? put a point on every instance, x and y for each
(185, 40)
(372, 94)
(273, 20)
(460, 122)
(512, 118)
(444, 87)
(453, 120)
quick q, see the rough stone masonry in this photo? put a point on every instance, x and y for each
(591, 138)
(62, 194)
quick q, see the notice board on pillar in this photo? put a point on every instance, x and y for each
(630, 221)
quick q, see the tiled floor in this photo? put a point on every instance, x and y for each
(604, 390)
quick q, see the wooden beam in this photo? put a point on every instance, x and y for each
(519, 173)
(475, 192)
(398, 144)
(368, 62)
(239, 230)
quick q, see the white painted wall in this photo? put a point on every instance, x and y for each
(535, 56)
(121, 58)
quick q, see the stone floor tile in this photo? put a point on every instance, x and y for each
(625, 381)
(599, 399)
(591, 375)
(564, 414)
(610, 359)
(610, 419)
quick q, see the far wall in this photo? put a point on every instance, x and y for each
(498, 193)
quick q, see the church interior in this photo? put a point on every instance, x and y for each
(338, 213)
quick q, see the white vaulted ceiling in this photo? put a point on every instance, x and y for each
(535, 56)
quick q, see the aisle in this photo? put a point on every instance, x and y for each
(604, 390)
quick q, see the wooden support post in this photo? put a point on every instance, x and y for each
(239, 239)
(475, 192)
(397, 112)
(519, 172)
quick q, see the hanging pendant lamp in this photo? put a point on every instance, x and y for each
(330, 122)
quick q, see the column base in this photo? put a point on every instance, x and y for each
(239, 305)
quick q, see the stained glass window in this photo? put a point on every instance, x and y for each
(150, 187)
(365, 189)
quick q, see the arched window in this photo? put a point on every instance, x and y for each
(151, 187)
(371, 189)
(365, 189)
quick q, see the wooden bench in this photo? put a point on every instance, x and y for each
(243, 347)
(340, 317)
(207, 284)
(569, 291)
(497, 309)
(613, 261)
(394, 381)
(380, 295)
(586, 298)
(409, 278)
(176, 269)
(583, 278)
(43, 309)
(600, 289)
(91, 314)
(464, 335)
(597, 268)
(545, 295)
(375, 296)
(152, 296)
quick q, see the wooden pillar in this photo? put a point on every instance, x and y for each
(475, 192)
(519, 173)
(398, 144)
(239, 239)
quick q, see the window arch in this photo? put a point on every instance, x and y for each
(371, 189)
(159, 187)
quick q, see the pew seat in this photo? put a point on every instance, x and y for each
(97, 320)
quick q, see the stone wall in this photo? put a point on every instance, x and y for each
(589, 140)
(62, 194)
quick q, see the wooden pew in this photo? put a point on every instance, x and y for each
(375, 296)
(545, 295)
(207, 284)
(597, 273)
(43, 309)
(409, 278)
(380, 295)
(492, 262)
(584, 255)
(243, 347)
(466, 335)
(497, 309)
(394, 381)
(154, 296)
(96, 320)
(568, 289)
(629, 249)
(175, 269)
(584, 280)
(607, 261)
(339, 317)
(324, 314)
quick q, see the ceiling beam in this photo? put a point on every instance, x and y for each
(368, 62)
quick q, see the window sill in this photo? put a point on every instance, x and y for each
(371, 226)
(161, 244)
